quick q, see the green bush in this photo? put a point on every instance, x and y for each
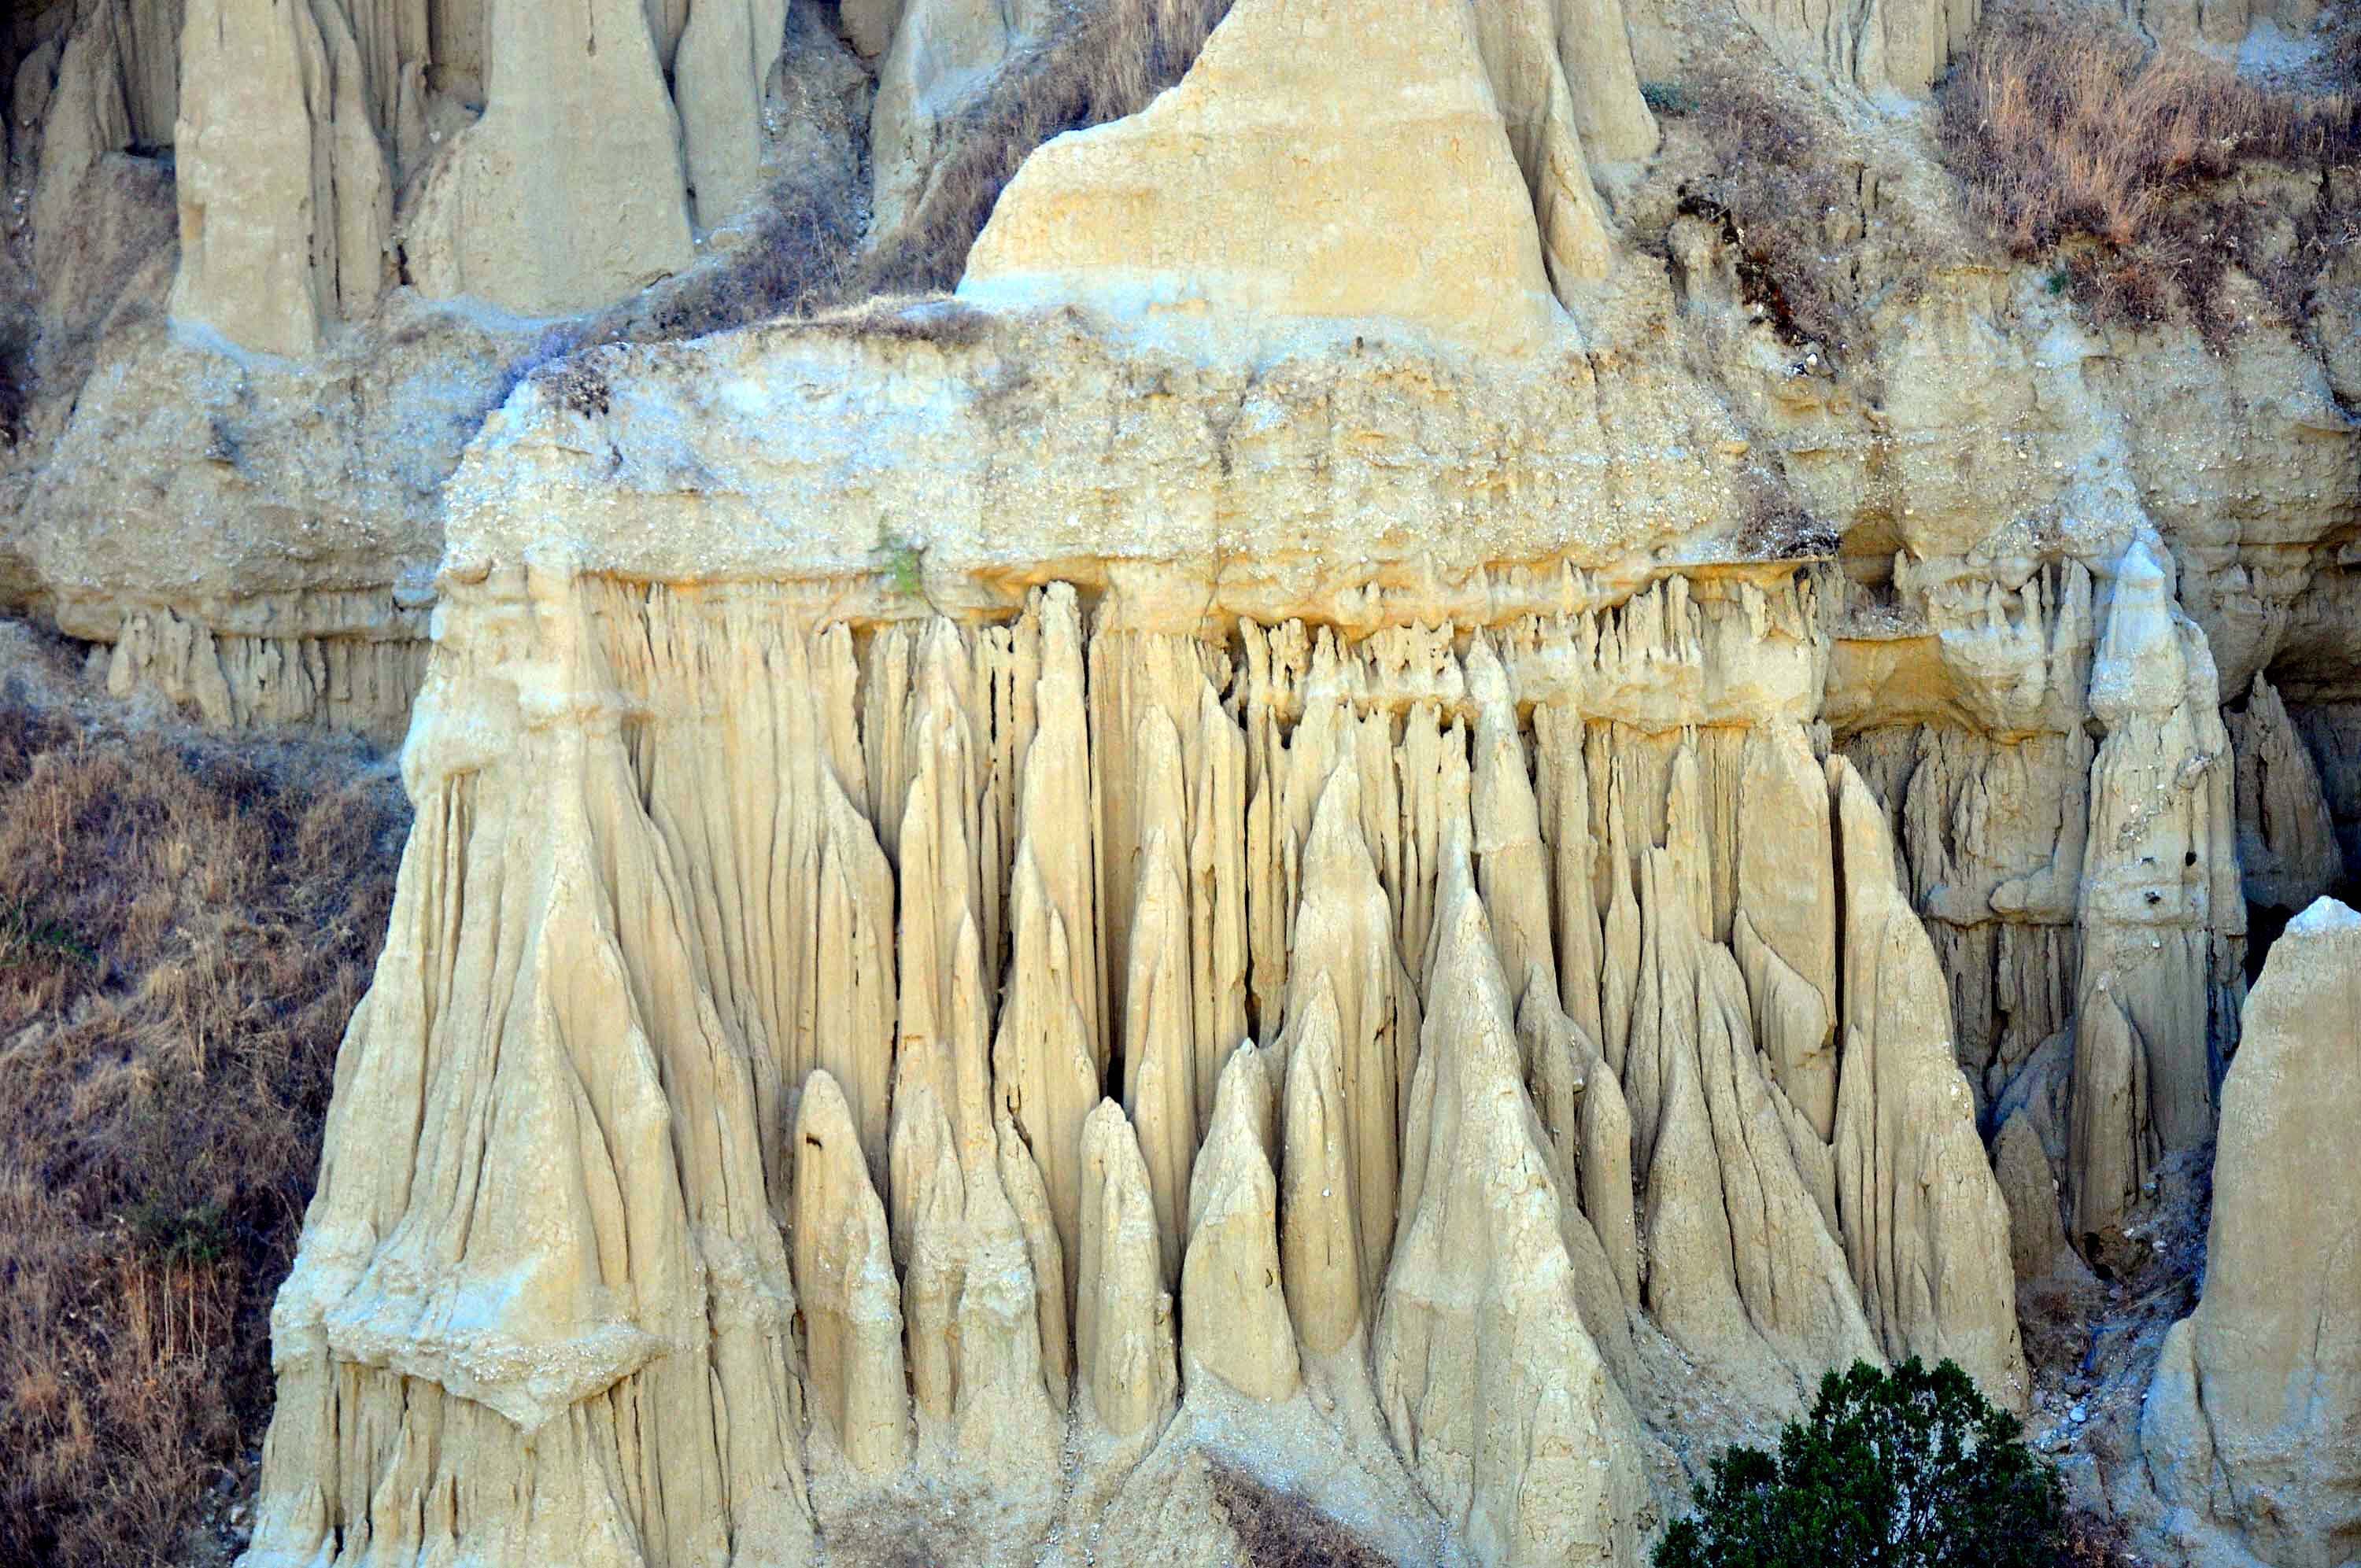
(1912, 1469)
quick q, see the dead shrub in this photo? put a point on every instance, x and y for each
(184, 930)
(2074, 137)
(1282, 1529)
(1778, 194)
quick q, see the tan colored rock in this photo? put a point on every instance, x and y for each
(726, 50)
(570, 191)
(1127, 1379)
(844, 1280)
(927, 1234)
(1012, 1404)
(2113, 1147)
(871, 24)
(1925, 1225)
(1320, 1223)
(1233, 1313)
(1888, 46)
(83, 116)
(2161, 914)
(1160, 1090)
(528, 1264)
(1786, 935)
(1041, 1064)
(1344, 955)
(285, 199)
(942, 59)
(1337, 163)
(1513, 1424)
(2252, 1428)
(2036, 1233)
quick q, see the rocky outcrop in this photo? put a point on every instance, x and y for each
(570, 190)
(944, 55)
(2288, 853)
(790, 825)
(1886, 45)
(719, 78)
(285, 197)
(2161, 914)
(1339, 163)
(2252, 1428)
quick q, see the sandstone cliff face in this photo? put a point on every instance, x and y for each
(1232, 840)
(605, 768)
(2253, 1430)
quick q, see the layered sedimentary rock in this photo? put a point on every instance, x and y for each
(2252, 1428)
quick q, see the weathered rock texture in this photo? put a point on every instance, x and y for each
(881, 986)
(1230, 840)
(2253, 1429)
(1275, 179)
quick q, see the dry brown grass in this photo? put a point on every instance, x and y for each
(2072, 136)
(184, 929)
(1779, 190)
(1281, 1529)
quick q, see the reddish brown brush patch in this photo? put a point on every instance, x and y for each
(184, 930)
(2077, 137)
(1281, 1529)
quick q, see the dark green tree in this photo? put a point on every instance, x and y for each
(1907, 1469)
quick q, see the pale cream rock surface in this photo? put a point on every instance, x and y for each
(719, 75)
(570, 190)
(2252, 1428)
(286, 203)
(1344, 161)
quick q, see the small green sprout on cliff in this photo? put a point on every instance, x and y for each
(1911, 1469)
(900, 562)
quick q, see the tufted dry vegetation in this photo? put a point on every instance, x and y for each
(184, 929)
(2144, 172)
(1281, 1529)
(1786, 205)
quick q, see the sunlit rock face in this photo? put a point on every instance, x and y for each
(1218, 845)
(847, 1049)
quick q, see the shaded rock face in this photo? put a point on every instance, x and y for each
(2252, 1428)
(831, 1047)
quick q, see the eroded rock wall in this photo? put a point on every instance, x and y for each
(2253, 1430)
(899, 1042)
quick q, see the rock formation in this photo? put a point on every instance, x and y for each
(571, 189)
(285, 197)
(1351, 816)
(1207, 197)
(902, 1160)
(2253, 1429)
